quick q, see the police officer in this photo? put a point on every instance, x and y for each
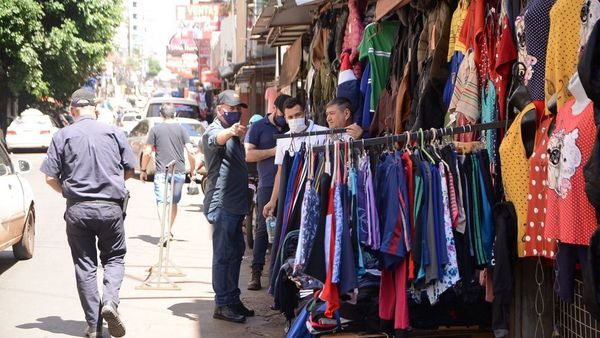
(88, 162)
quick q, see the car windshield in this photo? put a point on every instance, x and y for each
(192, 129)
(182, 109)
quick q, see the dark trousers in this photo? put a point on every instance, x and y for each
(261, 238)
(87, 221)
(228, 250)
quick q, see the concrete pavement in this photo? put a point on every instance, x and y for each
(38, 298)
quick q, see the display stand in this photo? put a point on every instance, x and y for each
(159, 273)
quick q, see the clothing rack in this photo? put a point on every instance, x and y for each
(312, 133)
(417, 135)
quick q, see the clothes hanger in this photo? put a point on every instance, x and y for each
(422, 147)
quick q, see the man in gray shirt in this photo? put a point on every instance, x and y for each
(169, 140)
(226, 204)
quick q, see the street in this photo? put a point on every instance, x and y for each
(38, 298)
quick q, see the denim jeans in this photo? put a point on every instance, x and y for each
(228, 250)
(261, 238)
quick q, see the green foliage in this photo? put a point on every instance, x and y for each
(153, 67)
(49, 47)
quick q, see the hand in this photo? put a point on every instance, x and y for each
(354, 131)
(269, 209)
(238, 130)
(143, 176)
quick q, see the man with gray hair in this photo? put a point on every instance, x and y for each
(88, 162)
(169, 141)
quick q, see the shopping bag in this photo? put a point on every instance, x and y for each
(192, 189)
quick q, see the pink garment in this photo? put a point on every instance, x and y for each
(353, 36)
(393, 303)
(270, 96)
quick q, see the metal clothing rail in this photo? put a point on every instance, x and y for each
(427, 133)
(312, 133)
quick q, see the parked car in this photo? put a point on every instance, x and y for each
(17, 212)
(139, 135)
(129, 120)
(32, 129)
(184, 107)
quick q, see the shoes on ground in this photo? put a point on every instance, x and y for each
(91, 332)
(111, 315)
(227, 313)
(243, 310)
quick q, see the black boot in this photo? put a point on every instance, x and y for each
(254, 283)
(227, 313)
(242, 309)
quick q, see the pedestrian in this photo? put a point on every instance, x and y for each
(88, 162)
(340, 115)
(298, 122)
(169, 141)
(226, 203)
(261, 147)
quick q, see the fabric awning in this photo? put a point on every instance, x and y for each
(288, 15)
(384, 7)
(290, 67)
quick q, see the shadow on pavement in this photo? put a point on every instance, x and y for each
(57, 325)
(7, 260)
(147, 238)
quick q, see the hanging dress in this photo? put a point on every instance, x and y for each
(515, 174)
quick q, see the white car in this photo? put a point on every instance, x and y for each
(32, 129)
(139, 135)
(129, 120)
(17, 213)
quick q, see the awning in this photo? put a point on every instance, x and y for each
(290, 67)
(287, 20)
(229, 70)
(384, 7)
(266, 68)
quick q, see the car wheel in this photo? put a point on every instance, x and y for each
(24, 249)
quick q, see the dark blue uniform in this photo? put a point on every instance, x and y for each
(89, 159)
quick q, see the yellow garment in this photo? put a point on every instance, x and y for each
(561, 57)
(515, 174)
(458, 18)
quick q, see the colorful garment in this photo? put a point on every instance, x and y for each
(570, 217)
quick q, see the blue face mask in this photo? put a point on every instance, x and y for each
(232, 117)
(280, 122)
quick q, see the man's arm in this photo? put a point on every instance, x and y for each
(235, 130)
(255, 155)
(54, 183)
(270, 207)
(148, 149)
(129, 173)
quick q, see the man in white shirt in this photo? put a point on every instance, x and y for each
(298, 122)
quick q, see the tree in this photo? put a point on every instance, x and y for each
(49, 47)
(153, 67)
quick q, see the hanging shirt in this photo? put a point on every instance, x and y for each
(515, 173)
(377, 44)
(537, 243)
(570, 217)
(308, 227)
(563, 40)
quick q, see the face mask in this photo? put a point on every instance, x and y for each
(297, 125)
(232, 117)
(280, 122)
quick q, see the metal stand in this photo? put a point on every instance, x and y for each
(159, 273)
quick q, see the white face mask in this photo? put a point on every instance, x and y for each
(297, 125)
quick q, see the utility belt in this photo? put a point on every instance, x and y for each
(120, 202)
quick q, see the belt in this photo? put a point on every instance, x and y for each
(71, 201)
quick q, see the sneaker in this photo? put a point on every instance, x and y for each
(111, 315)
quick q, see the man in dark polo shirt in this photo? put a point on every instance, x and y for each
(88, 162)
(226, 203)
(261, 147)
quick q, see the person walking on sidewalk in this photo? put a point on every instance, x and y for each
(261, 147)
(169, 141)
(226, 203)
(88, 162)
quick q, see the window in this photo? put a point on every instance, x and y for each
(182, 110)
(5, 165)
(134, 27)
(135, 16)
(134, 4)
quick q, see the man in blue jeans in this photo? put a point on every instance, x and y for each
(168, 140)
(261, 147)
(226, 203)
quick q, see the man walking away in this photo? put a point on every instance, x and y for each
(226, 204)
(88, 162)
(261, 146)
(169, 140)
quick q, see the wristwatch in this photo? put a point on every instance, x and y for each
(143, 170)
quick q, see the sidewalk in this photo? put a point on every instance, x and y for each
(188, 312)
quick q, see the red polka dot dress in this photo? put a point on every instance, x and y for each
(536, 241)
(570, 217)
